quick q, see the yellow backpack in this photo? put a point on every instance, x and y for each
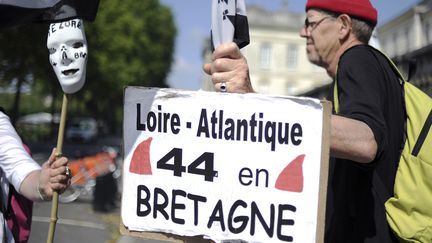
(409, 211)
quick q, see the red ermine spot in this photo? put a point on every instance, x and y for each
(291, 178)
(140, 163)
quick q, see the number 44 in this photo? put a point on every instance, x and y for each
(194, 168)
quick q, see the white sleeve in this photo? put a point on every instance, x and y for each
(15, 162)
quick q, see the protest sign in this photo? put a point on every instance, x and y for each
(224, 166)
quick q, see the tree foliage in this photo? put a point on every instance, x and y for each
(129, 43)
(23, 48)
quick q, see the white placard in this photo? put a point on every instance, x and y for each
(226, 166)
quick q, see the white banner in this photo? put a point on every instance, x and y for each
(226, 166)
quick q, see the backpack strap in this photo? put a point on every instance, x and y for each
(392, 65)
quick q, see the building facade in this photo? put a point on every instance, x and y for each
(407, 39)
(278, 63)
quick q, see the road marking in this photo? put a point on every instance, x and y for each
(71, 222)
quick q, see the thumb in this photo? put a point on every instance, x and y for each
(52, 157)
(207, 68)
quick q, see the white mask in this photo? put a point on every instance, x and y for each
(67, 46)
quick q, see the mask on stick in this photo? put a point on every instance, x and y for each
(67, 46)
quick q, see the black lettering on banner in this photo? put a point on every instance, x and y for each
(151, 121)
(296, 131)
(214, 121)
(175, 123)
(270, 135)
(242, 125)
(266, 174)
(255, 213)
(284, 222)
(220, 129)
(243, 219)
(208, 172)
(253, 129)
(196, 199)
(247, 173)
(283, 136)
(159, 121)
(217, 215)
(236, 221)
(160, 203)
(203, 124)
(260, 127)
(177, 166)
(229, 133)
(175, 206)
(253, 124)
(194, 168)
(160, 206)
(143, 201)
(139, 125)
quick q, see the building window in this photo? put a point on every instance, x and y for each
(292, 56)
(265, 55)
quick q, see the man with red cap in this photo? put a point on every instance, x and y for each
(366, 133)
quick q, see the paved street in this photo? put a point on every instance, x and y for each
(77, 223)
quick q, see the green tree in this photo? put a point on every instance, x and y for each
(23, 48)
(130, 43)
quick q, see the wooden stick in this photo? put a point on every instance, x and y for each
(59, 149)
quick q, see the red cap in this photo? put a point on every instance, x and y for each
(362, 9)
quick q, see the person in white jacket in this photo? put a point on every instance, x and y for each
(17, 168)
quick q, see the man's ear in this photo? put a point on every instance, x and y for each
(345, 26)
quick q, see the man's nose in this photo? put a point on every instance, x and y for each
(303, 32)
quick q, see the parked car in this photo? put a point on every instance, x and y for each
(83, 129)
